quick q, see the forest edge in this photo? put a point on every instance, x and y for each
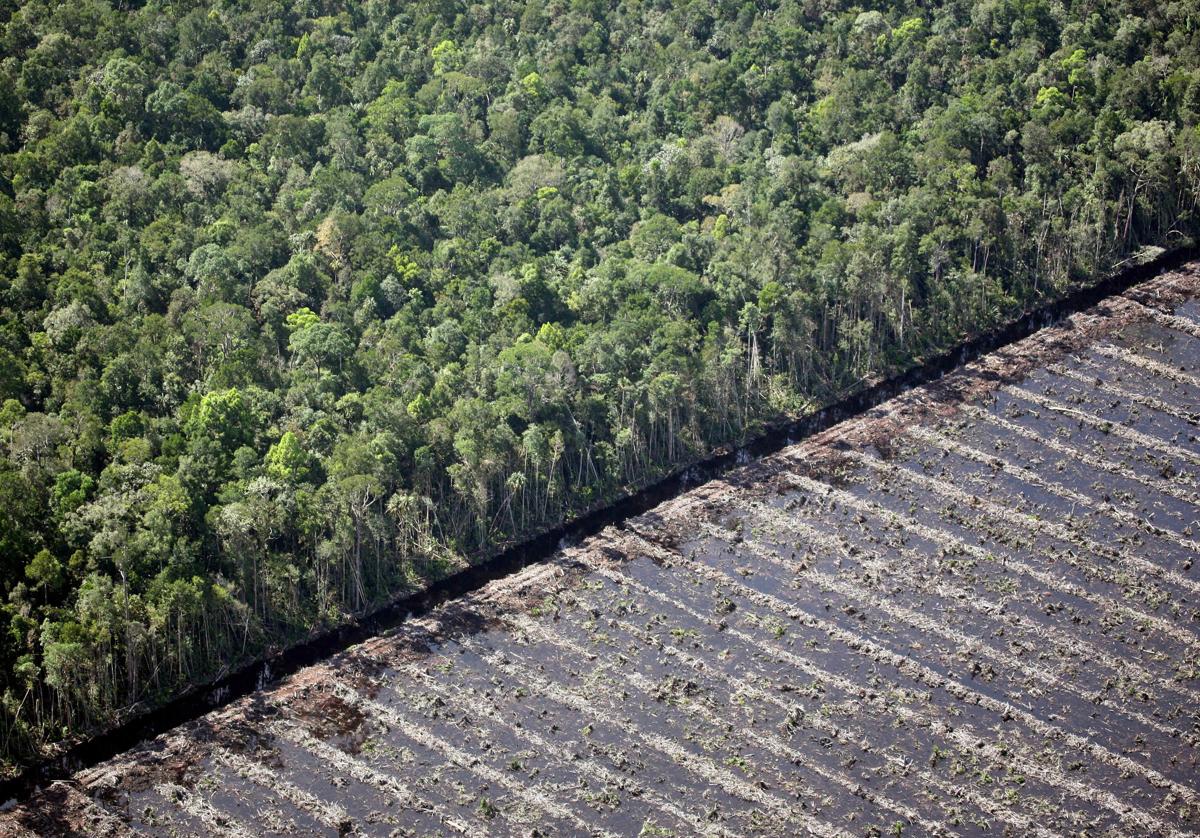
(270, 668)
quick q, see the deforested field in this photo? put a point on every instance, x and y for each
(974, 610)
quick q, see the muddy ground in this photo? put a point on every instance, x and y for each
(972, 610)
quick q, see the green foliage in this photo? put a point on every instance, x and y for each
(71, 489)
(45, 571)
(446, 56)
(295, 307)
(223, 416)
(287, 460)
(301, 319)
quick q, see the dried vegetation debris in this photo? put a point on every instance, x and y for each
(974, 609)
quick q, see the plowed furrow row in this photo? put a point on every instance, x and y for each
(477, 702)
(1033, 478)
(329, 813)
(361, 772)
(843, 730)
(531, 794)
(699, 765)
(220, 823)
(960, 734)
(923, 674)
(716, 719)
(908, 563)
(1141, 362)
(1114, 389)
(1097, 463)
(931, 626)
(1050, 581)
(1136, 437)
(846, 729)
(1171, 321)
(1052, 529)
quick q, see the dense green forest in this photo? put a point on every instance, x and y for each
(305, 303)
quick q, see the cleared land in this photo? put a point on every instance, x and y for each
(973, 610)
